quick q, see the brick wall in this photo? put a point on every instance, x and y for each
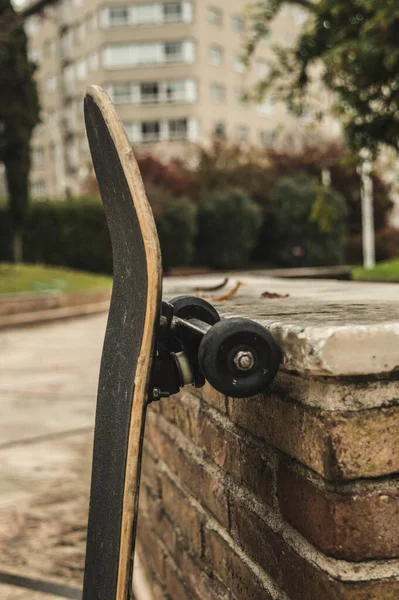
(290, 495)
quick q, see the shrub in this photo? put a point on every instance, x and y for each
(229, 223)
(177, 228)
(386, 246)
(306, 224)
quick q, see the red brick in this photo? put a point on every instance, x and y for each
(256, 538)
(200, 583)
(174, 584)
(203, 485)
(235, 574)
(298, 577)
(349, 525)
(241, 459)
(183, 415)
(149, 471)
(183, 515)
(337, 445)
(214, 398)
(302, 580)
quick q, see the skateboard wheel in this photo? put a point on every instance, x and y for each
(192, 307)
(239, 357)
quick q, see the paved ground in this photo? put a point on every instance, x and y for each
(48, 381)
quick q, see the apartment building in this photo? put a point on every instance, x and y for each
(173, 69)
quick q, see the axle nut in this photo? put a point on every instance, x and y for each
(244, 360)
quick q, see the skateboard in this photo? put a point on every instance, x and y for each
(151, 349)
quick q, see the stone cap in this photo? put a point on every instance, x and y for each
(325, 327)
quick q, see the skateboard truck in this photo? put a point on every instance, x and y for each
(238, 357)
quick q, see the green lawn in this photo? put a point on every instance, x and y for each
(37, 278)
(385, 271)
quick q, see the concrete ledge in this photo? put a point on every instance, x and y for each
(325, 327)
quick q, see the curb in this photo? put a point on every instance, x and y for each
(44, 310)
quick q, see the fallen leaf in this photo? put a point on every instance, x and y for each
(272, 295)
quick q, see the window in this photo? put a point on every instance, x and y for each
(34, 55)
(150, 131)
(173, 51)
(121, 93)
(178, 129)
(220, 130)
(218, 92)
(32, 25)
(51, 83)
(216, 55)
(69, 77)
(72, 155)
(306, 115)
(266, 108)
(239, 65)
(133, 131)
(67, 44)
(80, 33)
(118, 56)
(81, 69)
(215, 16)
(93, 61)
(267, 138)
(175, 90)
(240, 97)
(262, 68)
(91, 23)
(37, 158)
(149, 92)
(172, 12)
(39, 189)
(238, 24)
(242, 133)
(118, 15)
(147, 14)
(148, 53)
(126, 55)
(69, 118)
(84, 144)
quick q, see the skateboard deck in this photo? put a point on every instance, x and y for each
(127, 354)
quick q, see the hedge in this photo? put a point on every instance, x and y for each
(73, 233)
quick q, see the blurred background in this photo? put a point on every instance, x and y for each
(267, 136)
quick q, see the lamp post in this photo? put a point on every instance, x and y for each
(367, 210)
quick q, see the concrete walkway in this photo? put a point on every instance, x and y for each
(48, 384)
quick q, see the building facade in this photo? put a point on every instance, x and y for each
(173, 69)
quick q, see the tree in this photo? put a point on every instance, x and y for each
(356, 44)
(19, 114)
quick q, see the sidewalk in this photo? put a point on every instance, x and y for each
(48, 384)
